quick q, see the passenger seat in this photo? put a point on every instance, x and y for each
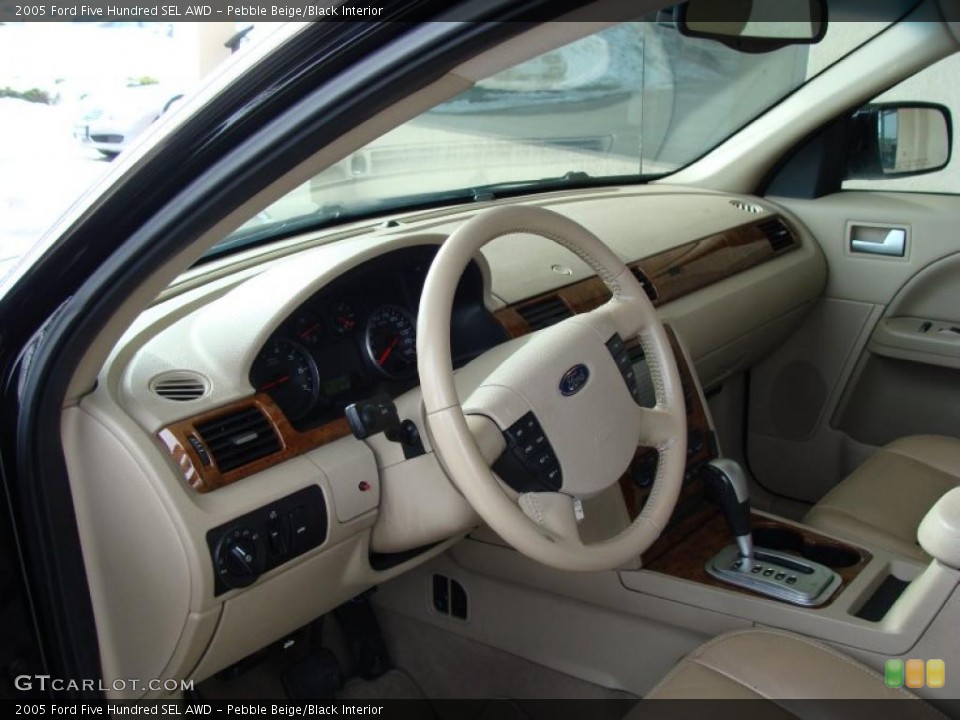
(882, 502)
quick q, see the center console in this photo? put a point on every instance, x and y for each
(722, 558)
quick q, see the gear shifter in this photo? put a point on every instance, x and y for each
(726, 485)
(773, 573)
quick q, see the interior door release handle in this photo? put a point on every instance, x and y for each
(873, 241)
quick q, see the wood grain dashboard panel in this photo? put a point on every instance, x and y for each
(668, 275)
(673, 273)
(206, 476)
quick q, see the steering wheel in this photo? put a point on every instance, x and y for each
(555, 411)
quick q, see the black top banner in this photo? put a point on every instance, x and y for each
(380, 10)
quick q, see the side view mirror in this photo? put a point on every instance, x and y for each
(889, 140)
(754, 25)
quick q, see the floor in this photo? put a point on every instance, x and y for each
(430, 664)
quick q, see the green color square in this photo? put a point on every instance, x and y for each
(893, 673)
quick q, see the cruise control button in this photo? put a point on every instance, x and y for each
(552, 477)
(543, 460)
(615, 345)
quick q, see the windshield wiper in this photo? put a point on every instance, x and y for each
(570, 179)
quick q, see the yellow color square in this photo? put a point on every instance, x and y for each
(914, 674)
(936, 673)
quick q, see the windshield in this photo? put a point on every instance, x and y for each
(630, 103)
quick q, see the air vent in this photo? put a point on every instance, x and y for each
(747, 207)
(645, 281)
(239, 438)
(545, 312)
(778, 234)
(181, 386)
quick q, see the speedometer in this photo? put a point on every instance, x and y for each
(286, 371)
(391, 342)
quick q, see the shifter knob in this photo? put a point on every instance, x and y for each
(726, 485)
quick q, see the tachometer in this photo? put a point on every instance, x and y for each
(391, 342)
(286, 371)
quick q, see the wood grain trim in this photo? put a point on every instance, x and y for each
(673, 273)
(699, 431)
(204, 478)
(709, 534)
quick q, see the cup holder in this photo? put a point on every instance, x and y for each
(791, 541)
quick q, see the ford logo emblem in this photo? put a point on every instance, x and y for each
(574, 379)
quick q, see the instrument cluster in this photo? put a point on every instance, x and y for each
(357, 338)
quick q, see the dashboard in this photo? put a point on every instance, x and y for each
(217, 429)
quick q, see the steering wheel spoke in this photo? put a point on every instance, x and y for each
(658, 427)
(555, 513)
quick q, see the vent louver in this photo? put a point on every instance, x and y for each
(239, 438)
(545, 313)
(778, 234)
(747, 207)
(181, 386)
(645, 281)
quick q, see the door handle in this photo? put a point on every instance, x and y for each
(873, 241)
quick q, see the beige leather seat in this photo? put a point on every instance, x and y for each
(770, 664)
(883, 501)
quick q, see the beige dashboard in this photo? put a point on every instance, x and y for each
(732, 275)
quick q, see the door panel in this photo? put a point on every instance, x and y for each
(862, 371)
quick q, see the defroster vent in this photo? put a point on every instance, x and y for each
(239, 438)
(778, 234)
(545, 313)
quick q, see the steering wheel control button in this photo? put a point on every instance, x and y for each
(615, 345)
(255, 543)
(529, 464)
(621, 356)
(552, 476)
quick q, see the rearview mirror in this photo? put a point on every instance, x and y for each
(898, 139)
(754, 25)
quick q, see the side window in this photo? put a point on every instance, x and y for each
(936, 84)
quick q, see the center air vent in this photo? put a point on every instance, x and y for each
(648, 286)
(179, 385)
(545, 313)
(778, 234)
(239, 438)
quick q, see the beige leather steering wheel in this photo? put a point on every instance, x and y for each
(567, 378)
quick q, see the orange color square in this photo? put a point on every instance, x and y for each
(936, 673)
(914, 673)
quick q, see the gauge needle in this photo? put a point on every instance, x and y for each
(274, 383)
(346, 322)
(389, 349)
(304, 333)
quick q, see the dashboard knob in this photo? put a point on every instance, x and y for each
(240, 558)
